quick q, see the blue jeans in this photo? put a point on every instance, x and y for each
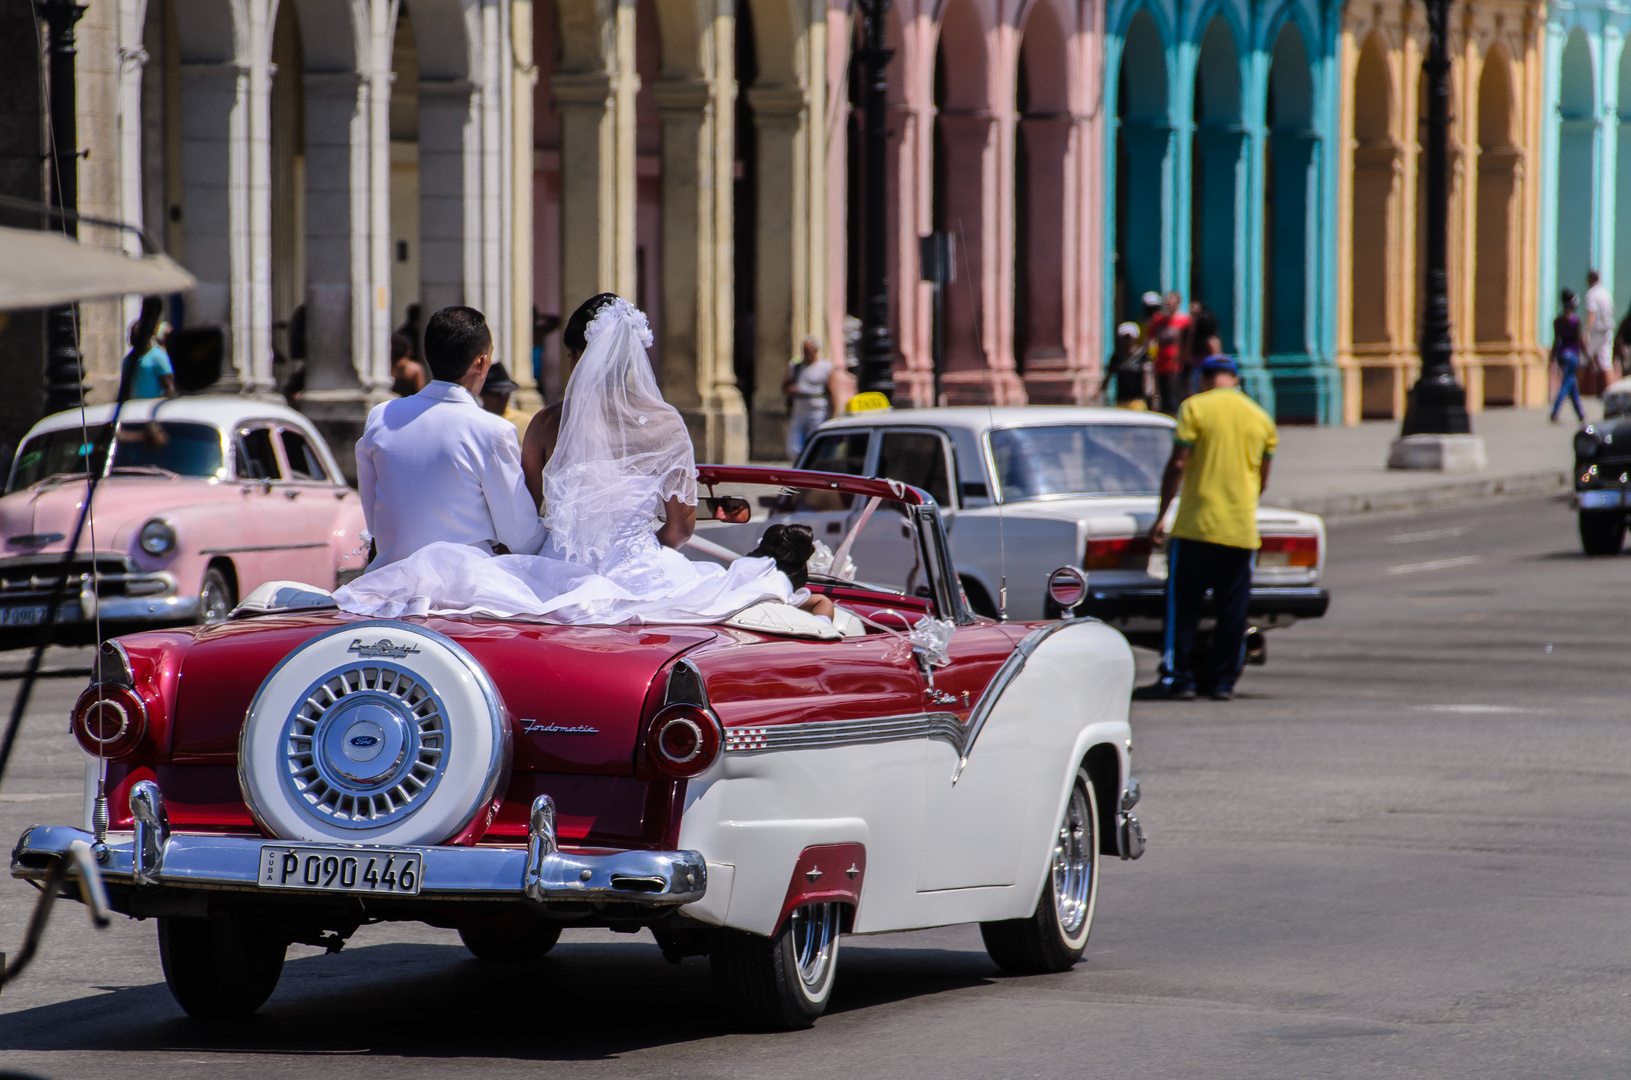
(1569, 387)
(808, 414)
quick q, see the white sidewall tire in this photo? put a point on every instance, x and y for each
(478, 751)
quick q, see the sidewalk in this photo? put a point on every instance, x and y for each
(1336, 470)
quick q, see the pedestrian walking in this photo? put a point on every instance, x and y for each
(1169, 328)
(806, 388)
(1126, 380)
(1566, 351)
(1599, 334)
(1221, 452)
(151, 373)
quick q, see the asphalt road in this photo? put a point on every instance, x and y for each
(1404, 850)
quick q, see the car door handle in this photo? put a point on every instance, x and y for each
(291, 493)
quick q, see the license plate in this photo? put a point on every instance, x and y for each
(22, 616)
(376, 871)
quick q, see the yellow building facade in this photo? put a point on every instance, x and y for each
(1496, 123)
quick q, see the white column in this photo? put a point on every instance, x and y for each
(337, 230)
(449, 193)
(215, 229)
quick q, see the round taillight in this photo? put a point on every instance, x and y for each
(683, 740)
(1067, 587)
(109, 721)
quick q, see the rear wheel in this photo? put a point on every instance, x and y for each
(215, 598)
(780, 983)
(1602, 533)
(515, 937)
(220, 969)
(1053, 936)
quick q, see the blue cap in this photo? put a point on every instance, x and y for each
(1216, 363)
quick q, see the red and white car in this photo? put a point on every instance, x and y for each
(1023, 490)
(749, 791)
(208, 498)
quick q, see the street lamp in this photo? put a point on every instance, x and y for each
(1438, 403)
(64, 372)
(877, 348)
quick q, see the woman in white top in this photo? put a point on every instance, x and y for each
(623, 455)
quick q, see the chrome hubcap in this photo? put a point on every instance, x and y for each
(814, 932)
(1073, 864)
(366, 746)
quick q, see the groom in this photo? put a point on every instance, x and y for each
(436, 466)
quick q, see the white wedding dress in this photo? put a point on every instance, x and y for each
(623, 452)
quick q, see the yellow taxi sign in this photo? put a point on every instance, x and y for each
(871, 401)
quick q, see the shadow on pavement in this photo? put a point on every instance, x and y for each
(582, 1002)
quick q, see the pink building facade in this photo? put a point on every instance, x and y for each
(995, 138)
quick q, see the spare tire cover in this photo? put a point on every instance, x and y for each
(378, 732)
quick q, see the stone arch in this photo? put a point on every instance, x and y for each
(1576, 163)
(1217, 166)
(1288, 197)
(1375, 202)
(773, 307)
(1041, 154)
(195, 91)
(319, 153)
(1498, 160)
(440, 136)
(1143, 159)
(964, 133)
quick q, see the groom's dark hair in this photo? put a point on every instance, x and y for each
(454, 337)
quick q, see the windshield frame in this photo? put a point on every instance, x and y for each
(999, 494)
(224, 472)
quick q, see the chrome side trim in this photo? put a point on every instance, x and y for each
(261, 547)
(1006, 674)
(810, 736)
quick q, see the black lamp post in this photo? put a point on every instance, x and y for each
(1438, 404)
(877, 348)
(64, 372)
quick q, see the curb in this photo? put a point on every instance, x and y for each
(1545, 482)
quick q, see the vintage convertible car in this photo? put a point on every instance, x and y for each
(1023, 490)
(207, 498)
(748, 790)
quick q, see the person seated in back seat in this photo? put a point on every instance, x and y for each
(791, 546)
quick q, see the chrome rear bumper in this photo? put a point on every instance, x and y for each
(541, 873)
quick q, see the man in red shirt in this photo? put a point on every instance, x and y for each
(1168, 329)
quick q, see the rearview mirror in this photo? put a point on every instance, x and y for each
(1067, 587)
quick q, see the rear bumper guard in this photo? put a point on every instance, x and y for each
(541, 873)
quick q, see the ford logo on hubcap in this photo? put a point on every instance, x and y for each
(364, 740)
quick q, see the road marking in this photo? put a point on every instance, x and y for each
(1436, 564)
(1478, 709)
(1430, 534)
(32, 798)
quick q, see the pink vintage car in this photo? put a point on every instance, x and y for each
(208, 498)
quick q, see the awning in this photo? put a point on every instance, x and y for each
(43, 269)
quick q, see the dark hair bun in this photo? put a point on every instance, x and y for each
(791, 546)
(577, 326)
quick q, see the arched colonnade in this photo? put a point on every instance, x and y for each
(994, 138)
(1221, 165)
(269, 135)
(1497, 300)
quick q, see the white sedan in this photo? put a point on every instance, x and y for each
(1024, 490)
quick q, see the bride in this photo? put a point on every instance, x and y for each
(623, 454)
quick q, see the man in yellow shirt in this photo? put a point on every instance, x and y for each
(1221, 453)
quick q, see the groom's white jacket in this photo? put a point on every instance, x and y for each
(437, 466)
